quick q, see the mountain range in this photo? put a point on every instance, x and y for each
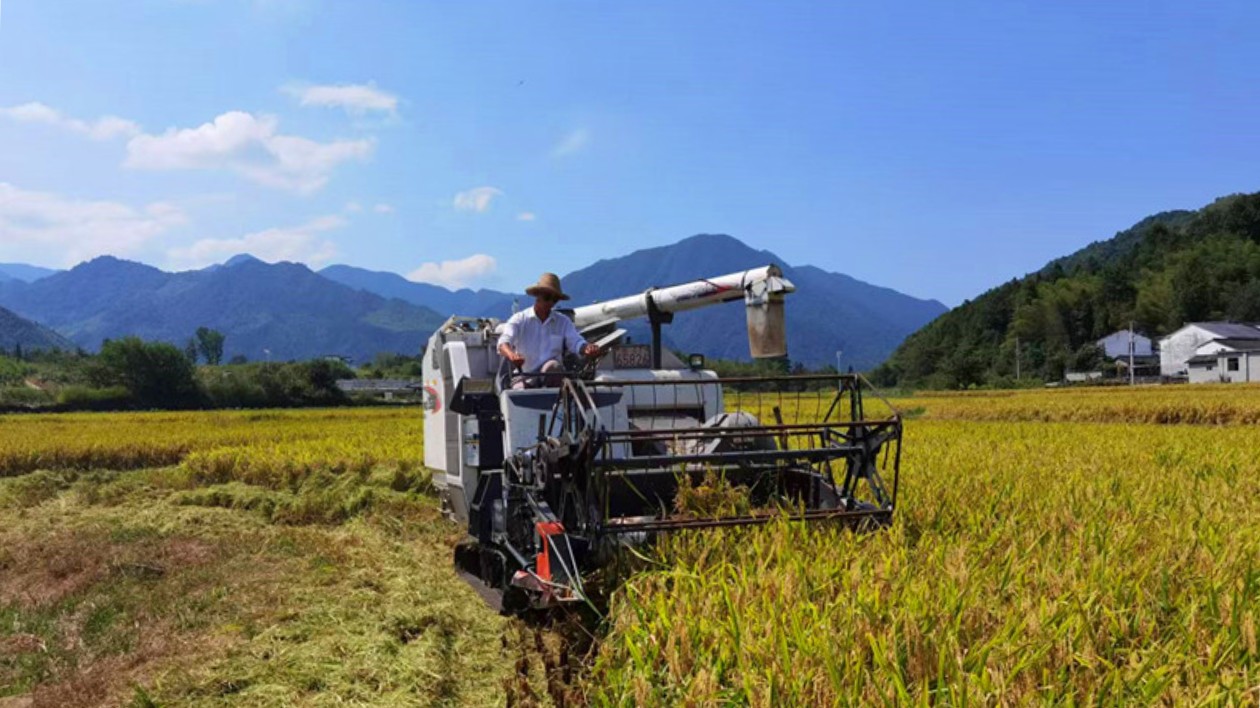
(280, 311)
(473, 303)
(829, 312)
(291, 312)
(23, 272)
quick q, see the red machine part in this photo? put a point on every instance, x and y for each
(546, 529)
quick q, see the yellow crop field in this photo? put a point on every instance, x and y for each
(1212, 404)
(1062, 546)
(260, 558)
(124, 441)
(1028, 562)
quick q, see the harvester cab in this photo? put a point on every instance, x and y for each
(551, 481)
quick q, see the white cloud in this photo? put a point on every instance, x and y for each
(250, 146)
(455, 274)
(302, 244)
(353, 207)
(383, 208)
(103, 128)
(476, 199)
(526, 216)
(572, 143)
(34, 225)
(355, 99)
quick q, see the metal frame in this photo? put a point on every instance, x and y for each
(574, 484)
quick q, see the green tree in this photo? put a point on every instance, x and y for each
(1193, 288)
(190, 350)
(156, 374)
(1244, 306)
(1089, 357)
(210, 344)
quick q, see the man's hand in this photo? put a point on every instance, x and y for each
(591, 351)
(507, 352)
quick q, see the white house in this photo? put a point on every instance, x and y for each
(1116, 344)
(1225, 365)
(1176, 349)
(1226, 345)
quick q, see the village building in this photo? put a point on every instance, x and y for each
(1179, 347)
(387, 389)
(1116, 344)
(1226, 366)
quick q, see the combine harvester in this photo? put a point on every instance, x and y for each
(551, 482)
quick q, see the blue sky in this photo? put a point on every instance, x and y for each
(936, 148)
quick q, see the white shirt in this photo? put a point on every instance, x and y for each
(540, 341)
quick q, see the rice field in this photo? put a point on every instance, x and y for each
(127, 441)
(1029, 562)
(1211, 404)
(260, 558)
(1060, 546)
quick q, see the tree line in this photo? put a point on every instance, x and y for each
(131, 373)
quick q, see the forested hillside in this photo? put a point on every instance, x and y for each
(1171, 268)
(18, 334)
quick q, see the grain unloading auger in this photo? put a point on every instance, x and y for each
(552, 481)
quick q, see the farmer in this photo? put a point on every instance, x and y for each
(535, 341)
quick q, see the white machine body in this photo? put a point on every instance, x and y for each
(465, 349)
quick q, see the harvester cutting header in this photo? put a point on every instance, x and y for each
(553, 470)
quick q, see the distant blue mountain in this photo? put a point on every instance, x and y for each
(240, 259)
(18, 332)
(283, 308)
(236, 260)
(295, 313)
(828, 312)
(472, 303)
(25, 273)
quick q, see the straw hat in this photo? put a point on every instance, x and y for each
(547, 283)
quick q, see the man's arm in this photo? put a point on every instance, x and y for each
(505, 348)
(574, 342)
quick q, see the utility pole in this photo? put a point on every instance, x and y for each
(838, 353)
(1131, 376)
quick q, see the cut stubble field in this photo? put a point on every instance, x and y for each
(1053, 546)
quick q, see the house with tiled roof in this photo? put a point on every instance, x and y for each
(1204, 339)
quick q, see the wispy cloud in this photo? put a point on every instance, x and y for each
(248, 145)
(37, 224)
(455, 274)
(355, 99)
(383, 208)
(241, 142)
(103, 128)
(304, 243)
(476, 199)
(575, 142)
(526, 216)
(352, 207)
